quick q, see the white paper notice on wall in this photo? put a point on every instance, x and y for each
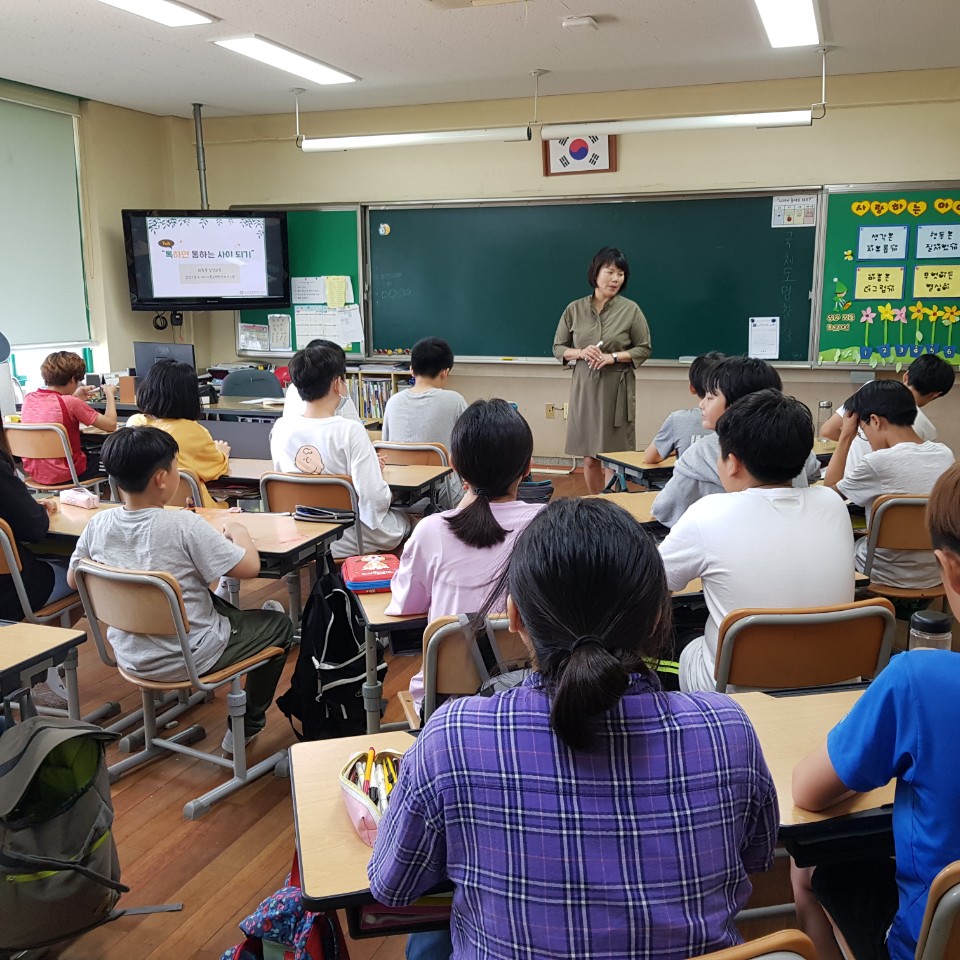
(279, 324)
(794, 210)
(254, 336)
(764, 339)
(314, 289)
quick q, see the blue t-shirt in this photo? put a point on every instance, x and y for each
(904, 726)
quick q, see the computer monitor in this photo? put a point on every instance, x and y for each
(145, 355)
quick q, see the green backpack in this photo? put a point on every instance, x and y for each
(59, 871)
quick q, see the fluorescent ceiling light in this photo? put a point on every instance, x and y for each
(782, 118)
(328, 144)
(169, 14)
(272, 54)
(789, 23)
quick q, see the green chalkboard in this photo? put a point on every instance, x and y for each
(321, 242)
(494, 279)
(891, 275)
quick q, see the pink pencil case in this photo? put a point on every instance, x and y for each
(363, 812)
(80, 497)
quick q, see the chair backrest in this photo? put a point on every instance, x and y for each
(413, 454)
(940, 932)
(190, 486)
(135, 601)
(40, 441)
(283, 492)
(782, 649)
(782, 945)
(897, 522)
(251, 383)
(449, 664)
(9, 552)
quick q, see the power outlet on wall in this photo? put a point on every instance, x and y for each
(550, 411)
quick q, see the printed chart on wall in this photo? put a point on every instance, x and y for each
(891, 276)
(324, 274)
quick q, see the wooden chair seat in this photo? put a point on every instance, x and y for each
(52, 487)
(212, 678)
(410, 712)
(58, 606)
(782, 945)
(902, 593)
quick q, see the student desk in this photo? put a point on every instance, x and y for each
(823, 450)
(789, 727)
(638, 505)
(27, 649)
(284, 544)
(630, 465)
(234, 406)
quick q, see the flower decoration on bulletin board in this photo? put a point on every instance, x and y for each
(593, 153)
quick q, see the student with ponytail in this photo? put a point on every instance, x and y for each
(451, 558)
(585, 813)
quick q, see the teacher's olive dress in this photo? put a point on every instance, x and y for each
(602, 402)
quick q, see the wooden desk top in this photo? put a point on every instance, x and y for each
(373, 605)
(638, 505)
(789, 728)
(821, 446)
(253, 470)
(633, 459)
(272, 533)
(22, 644)
(412, 476)
(333, 859)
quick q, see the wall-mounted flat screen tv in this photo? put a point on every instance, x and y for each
(207, 259)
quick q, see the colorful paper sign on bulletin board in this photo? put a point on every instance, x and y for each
(891, 276)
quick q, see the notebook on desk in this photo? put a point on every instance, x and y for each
(323, 514)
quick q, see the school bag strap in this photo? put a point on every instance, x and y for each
(484, 649)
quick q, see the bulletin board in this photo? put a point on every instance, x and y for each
(323, 241)
(493, 278)
(891, 274)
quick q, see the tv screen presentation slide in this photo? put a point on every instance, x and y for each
(199, 257)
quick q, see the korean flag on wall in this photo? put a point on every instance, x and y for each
(587, 154)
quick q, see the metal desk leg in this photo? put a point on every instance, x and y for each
(70, 681)
(372, 687)
(292, 581)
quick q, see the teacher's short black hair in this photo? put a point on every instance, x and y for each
(769, 433)
(735, 377)
(430, 357)
(608, 256)
(314, 369)
(133, 455)
(889, 399)
(169, 392)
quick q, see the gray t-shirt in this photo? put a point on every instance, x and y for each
(680, 430)
(190, 550)
(421, 417)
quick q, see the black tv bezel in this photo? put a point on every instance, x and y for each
(143, 303)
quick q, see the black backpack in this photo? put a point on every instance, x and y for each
(326, 689)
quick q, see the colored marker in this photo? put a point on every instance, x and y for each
(371, 753)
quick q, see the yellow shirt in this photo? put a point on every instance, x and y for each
(197, 450)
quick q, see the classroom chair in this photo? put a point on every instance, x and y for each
(898, 522)
(940, 932)
(45, 441)
(150, 602)
(190, 486)
(251, 383)
(785, 649)
(452, 663)
(283, 492)
(782, 945)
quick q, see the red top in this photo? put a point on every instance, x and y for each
(48, 406)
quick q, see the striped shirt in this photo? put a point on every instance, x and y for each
(640, 848)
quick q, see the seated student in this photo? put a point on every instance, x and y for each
(427, 411)
(927, 378)
(451, 558)
(585, 812)
(319, 442)
(900, 728)
(764, 543)
(44, 578)
(169, 400)
(63, 400)
(683, 428)
(295, 406)
(696, 474)
(144, 536)
(898, 462)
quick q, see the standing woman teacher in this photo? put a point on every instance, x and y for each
(605, 336)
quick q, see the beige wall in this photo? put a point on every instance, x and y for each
(878, 128)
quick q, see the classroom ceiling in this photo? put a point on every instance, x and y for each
(418, 51)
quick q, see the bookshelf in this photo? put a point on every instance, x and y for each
(372, 386)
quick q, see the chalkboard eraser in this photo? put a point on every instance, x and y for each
(685, 359)
(506, 358)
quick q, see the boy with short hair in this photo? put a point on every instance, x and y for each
(428, 410)
(899, 461)
(927, 378)
(319, 442)
(142, 535)
(696, 474)
(294, 405)
(900, 728)
(683, 428)
(764, 543)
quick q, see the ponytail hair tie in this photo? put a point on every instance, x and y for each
(587, 638)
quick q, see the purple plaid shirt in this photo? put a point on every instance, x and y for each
(640, 849)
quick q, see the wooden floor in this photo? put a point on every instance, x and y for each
(222, 865)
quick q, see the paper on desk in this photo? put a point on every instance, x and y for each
(764, 339)
(316, 290)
